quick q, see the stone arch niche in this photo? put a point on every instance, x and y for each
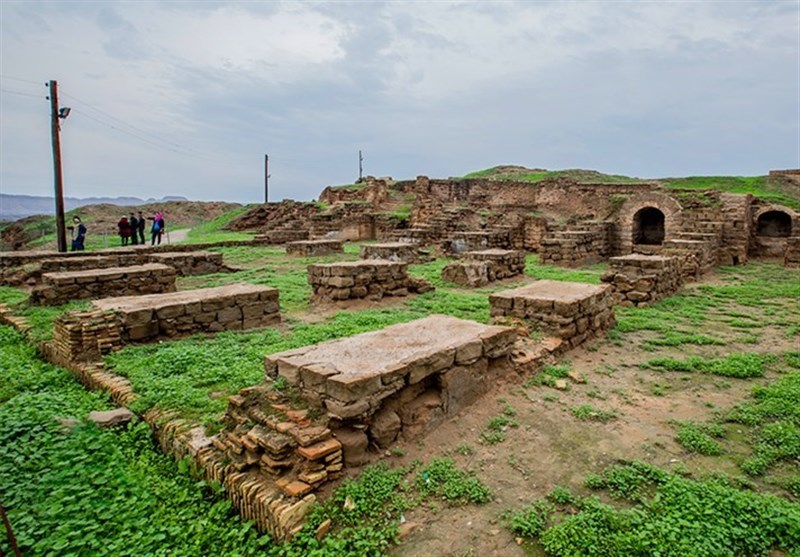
(648, 226)
(647, 220)
(771, 226)
(774, 224)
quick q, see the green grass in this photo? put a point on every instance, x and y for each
(91, 491)
(759, 186)
(740, 366)
(666, 514)
(588, 413)
(590, 274)
(519, 174)
(700, 438)
(213, 230)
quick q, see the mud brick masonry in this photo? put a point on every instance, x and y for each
(791, 255)
(478, 268)
(59, 288)
(640, 280)
(403, 378)
(571, 311)
(112, 322)
(373, 278)
(407, 252)
(224, 308)
(314, 248)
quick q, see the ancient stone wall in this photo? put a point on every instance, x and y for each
(770, 227)
(231, 307)
(478, 268)
(791, 255)
(185, 264)
(534, 229)
(59, 288)
(280, 236)
(85, 335)
(571, 311)
(405, 252)
(640, 280)
(575, 245)
(314, 248)
(361, 279)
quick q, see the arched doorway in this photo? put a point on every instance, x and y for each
(648, 226)
(774, 224)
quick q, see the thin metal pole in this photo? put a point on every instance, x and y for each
(55, 132)
(266, 178)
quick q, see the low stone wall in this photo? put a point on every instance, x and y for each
(267, 434)
(223, 308)
(280, 236)
(399, 380)
(185, 264)
(584, 245)
(479, 268)
(406, 252)
(373, 278)
(696, 257)
(85, 335)
(59, 288)
(791, 255)
(639, 280)
(571, 311)
(314, 248)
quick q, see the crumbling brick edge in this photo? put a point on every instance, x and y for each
(256, 499)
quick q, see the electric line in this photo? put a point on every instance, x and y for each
(141, 131)
(23, 94)
(3, 76)
(153, 144)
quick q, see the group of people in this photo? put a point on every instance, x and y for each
(132, 230)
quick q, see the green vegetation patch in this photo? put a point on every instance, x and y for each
(700, 438)
(670, 516)
(214, 230)
(759, 186)
(587, 412)
(740, 366)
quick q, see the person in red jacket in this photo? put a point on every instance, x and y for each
(124, 230)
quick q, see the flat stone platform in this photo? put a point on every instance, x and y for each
(313, 248)
(353, 376)
(373, 278)
(572, 311)
(60, 288)
(407, 252)
(231, 307)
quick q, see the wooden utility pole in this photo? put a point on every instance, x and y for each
(360, 166)
(55, 131)
(266, 178)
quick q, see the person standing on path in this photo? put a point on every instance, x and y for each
(124, 230)
(142, 223)
(79, 240)
(134, 229)
(158, 229)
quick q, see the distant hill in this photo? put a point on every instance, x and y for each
(13, 207)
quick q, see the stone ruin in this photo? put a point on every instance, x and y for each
(571, 311)
(314, 248)
(406, 252)
(479, 268)
(367, 278)
(640, 280)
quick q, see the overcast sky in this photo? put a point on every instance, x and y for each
(185, 98)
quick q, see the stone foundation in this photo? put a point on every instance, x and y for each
(479, 268)
(587, 243)
(406, 252)
(399, 380)
(314, 248)
(185, 264)
(280, 236)
(791, 255)
(696, 257)
(224, 308)
(371, 278)
(640, 280)
(571, 311)
(59, 288)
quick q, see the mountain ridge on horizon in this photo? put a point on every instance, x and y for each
(17, 206)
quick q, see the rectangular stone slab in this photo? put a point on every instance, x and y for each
(128, 304)
(553, 291)
(361, 361)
